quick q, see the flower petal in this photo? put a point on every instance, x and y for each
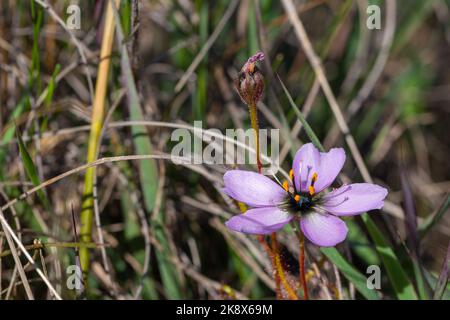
(331, 163)
(254, 189)
(259, 221)
(306, 161)
(323, 230)
(354, 199)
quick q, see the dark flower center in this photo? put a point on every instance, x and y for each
(298, 204)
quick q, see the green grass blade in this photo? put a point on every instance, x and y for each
(350, 273)
(31, 170)
(10, 131)
(49, 96)
(147, 170)
(402, 285)
(309, 131)
(37, 15)
(360, 244)
(441, 284)
(421, 285)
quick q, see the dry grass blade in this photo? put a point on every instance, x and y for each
(377, 69)
(9, 230)
(16, 257)
(321, 77)
(44, 4)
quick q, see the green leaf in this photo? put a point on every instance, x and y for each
(360, 245)
(9, 133)
(403, 287)
(350, 273)
(31, 170)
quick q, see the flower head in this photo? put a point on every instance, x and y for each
(250, 82)
(304, 199)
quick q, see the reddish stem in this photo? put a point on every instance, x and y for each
(302, 266)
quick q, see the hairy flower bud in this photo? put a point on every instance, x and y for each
(250, 82)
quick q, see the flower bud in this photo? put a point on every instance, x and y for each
(250, 82)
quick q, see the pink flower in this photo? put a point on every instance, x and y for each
(305, 200)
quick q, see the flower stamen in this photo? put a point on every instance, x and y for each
(286, 185)
(291, 175)
(311, 189)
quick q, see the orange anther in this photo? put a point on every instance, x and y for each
(286, 186)
(297, 198)
(311, 190)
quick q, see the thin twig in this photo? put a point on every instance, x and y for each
(8, 229)
(338, 282)
(15, 255)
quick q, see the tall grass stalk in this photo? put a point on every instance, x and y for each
(98, 111)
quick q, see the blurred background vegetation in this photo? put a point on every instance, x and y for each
(163, 224)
